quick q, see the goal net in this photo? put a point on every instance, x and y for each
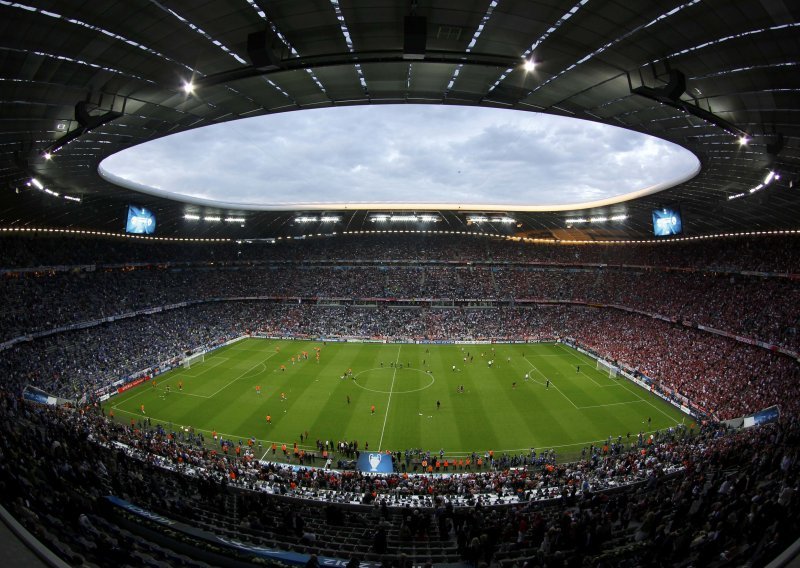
(193, 360)
(605, 366)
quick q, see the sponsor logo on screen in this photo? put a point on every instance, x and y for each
(667, 222)
(141, 221)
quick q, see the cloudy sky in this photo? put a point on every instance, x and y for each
(404, 154)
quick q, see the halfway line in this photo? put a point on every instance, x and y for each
(391, 389)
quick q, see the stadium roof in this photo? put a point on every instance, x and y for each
(81, 81)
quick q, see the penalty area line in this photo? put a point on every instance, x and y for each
(230, 437)
(554, 385)
(650, 403)
(584, 359)
(612, 404)
(242, 375)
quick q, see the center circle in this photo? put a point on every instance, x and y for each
(396, 373)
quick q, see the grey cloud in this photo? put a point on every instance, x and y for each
(404, 153)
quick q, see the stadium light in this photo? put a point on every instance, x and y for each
(234, 219)
(36, 183)
(743, 140)
(71, 198)
(484, 219)
(188, 87)
(213, 219)
(769, 178)
(190, 217)
(598, 219)
(529, 64)
(329, 219)
(405, 218)
(47, 155)
(576, 221)
(305, 219)
(618, 217)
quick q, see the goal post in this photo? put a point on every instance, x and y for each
(605, 366)
(193, 360)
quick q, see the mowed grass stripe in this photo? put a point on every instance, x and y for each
(333, 417)
(571, 383)
(177, 406)
(299, 382)
(480, 402)
(231, 391)
(489, 415)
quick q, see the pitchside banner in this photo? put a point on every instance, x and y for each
(375, 463)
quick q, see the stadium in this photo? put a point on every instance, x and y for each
(399, 283)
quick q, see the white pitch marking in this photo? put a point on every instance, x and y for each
(391, 388)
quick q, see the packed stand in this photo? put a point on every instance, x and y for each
(709, 498)
(772, 254)
(765, 309)
(724, 377)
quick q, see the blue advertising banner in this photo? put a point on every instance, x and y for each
(771, 414)
(36, 397)
(375, 462)
(767, 415)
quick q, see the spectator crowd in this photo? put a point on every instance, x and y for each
(722, 376)
(712, 497)
(707, 496)
(776, 253)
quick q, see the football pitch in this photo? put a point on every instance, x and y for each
(416, 391)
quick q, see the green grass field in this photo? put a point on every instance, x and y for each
(577, 409)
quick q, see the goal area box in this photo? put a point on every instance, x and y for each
(605, 366)
(193, 360)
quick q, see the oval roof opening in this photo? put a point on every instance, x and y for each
(403, 157)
